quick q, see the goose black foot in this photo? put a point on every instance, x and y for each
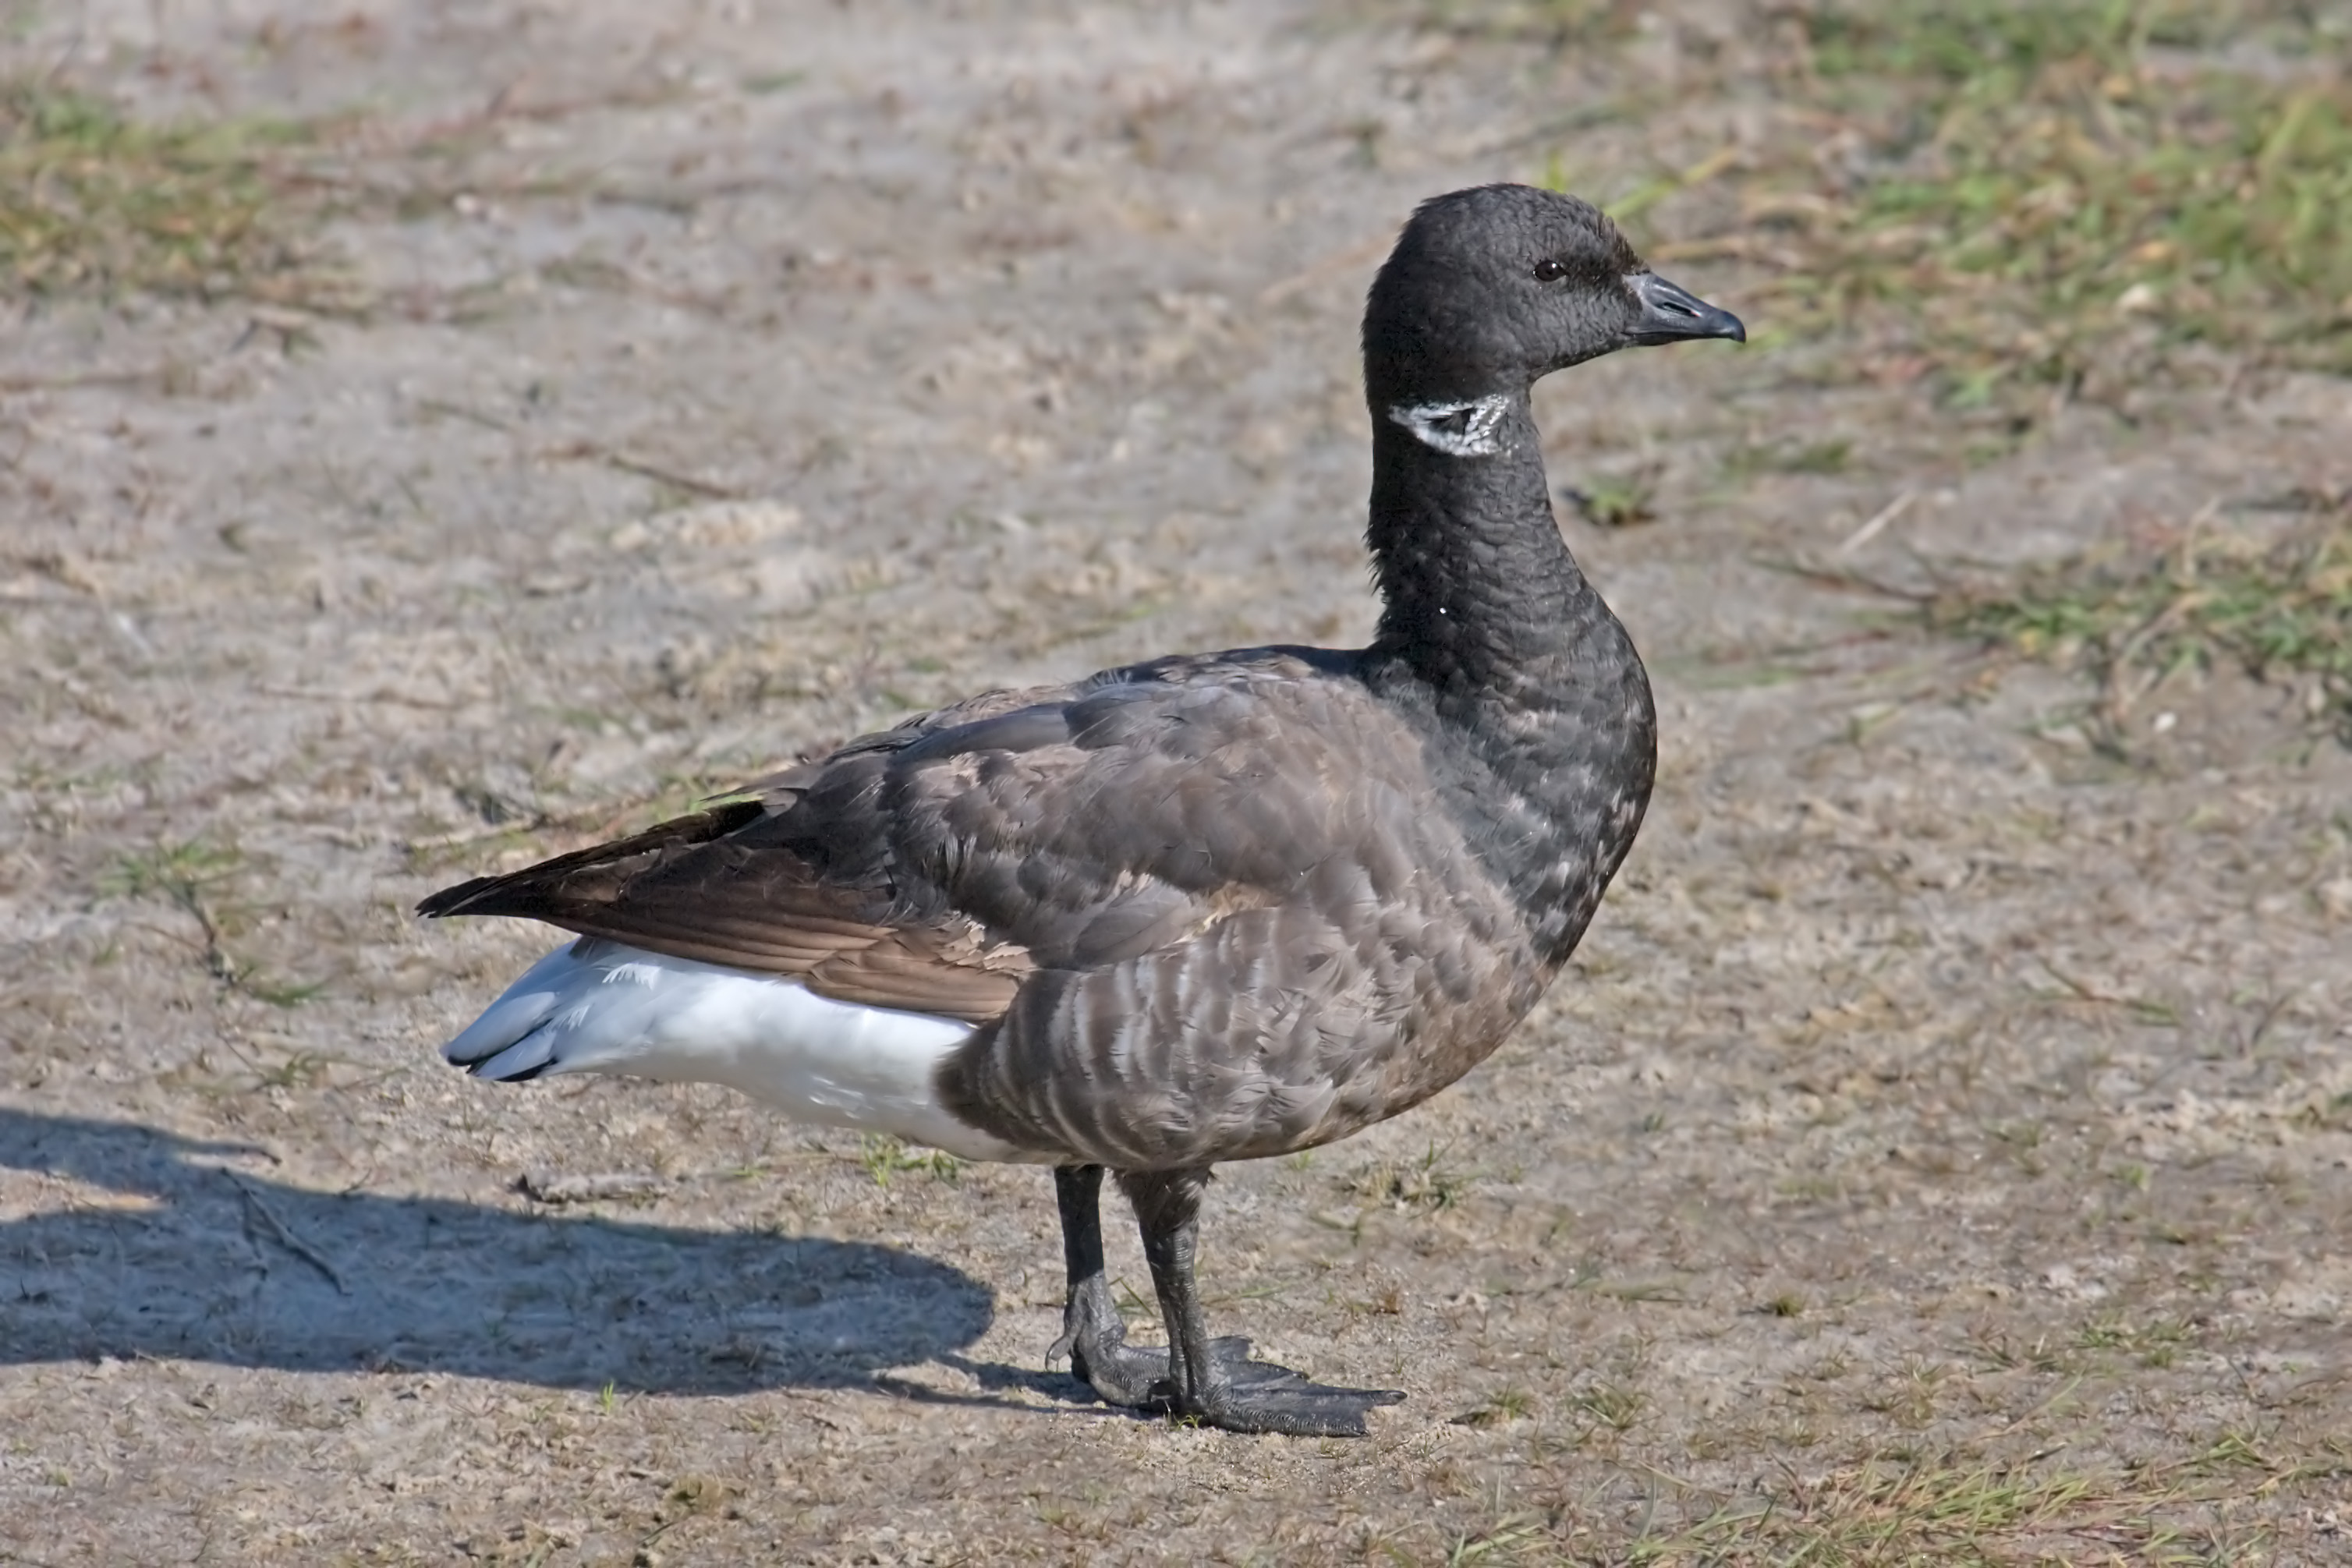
(1212, 1382)
(1094, 1336)
(1135, 1377)
(1259, 1396)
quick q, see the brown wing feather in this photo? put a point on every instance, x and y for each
(965, 984)
(600, 865)
(682, 888)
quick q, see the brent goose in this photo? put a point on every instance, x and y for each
(1212, 907)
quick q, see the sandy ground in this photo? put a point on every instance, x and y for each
(1935, 1097)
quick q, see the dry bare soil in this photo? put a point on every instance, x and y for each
(435, 435)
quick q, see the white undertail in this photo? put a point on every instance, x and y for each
(600, 1006)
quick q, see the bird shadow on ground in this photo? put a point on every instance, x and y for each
(162, 1248)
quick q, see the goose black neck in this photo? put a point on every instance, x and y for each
(1542, 730)
(1480, 596)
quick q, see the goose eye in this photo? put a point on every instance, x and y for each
(1550, 269)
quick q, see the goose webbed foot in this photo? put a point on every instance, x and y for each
(1135, 1377)
(1095, 1340)
(1210, 1381)
(1213, 1381)
(1259, 1396)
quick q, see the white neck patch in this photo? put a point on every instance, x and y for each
(1457, 429)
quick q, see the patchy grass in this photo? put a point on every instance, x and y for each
(2019, 186)
(179, 873)
(92, 202)
(1924, 1513)
(2006, 197)
(2157, 1341)
(2280, 610)
(1424, 1184)
(194, 877)
(884, 1156)
(1551, 24)
(1613, 1405)
(1502, 1408)
(1955, 1508)
(1615, 501)
(1834, 456)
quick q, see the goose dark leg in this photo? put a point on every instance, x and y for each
(1215, 1381)
(1093, 1334)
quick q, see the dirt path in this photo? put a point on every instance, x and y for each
(1942, 1137)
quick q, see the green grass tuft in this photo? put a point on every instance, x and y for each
(1613, 1406)
(2277, 610)
(1919, 1512)
(884, 1156)
(196, 877)
(1424, 1185)
(1615, 502)
(1834, 456)
(92, 202)
(2029, 182)
(176, 873)
(1550, 23)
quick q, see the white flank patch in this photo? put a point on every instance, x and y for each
(600, 1006)
(1456, 429)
